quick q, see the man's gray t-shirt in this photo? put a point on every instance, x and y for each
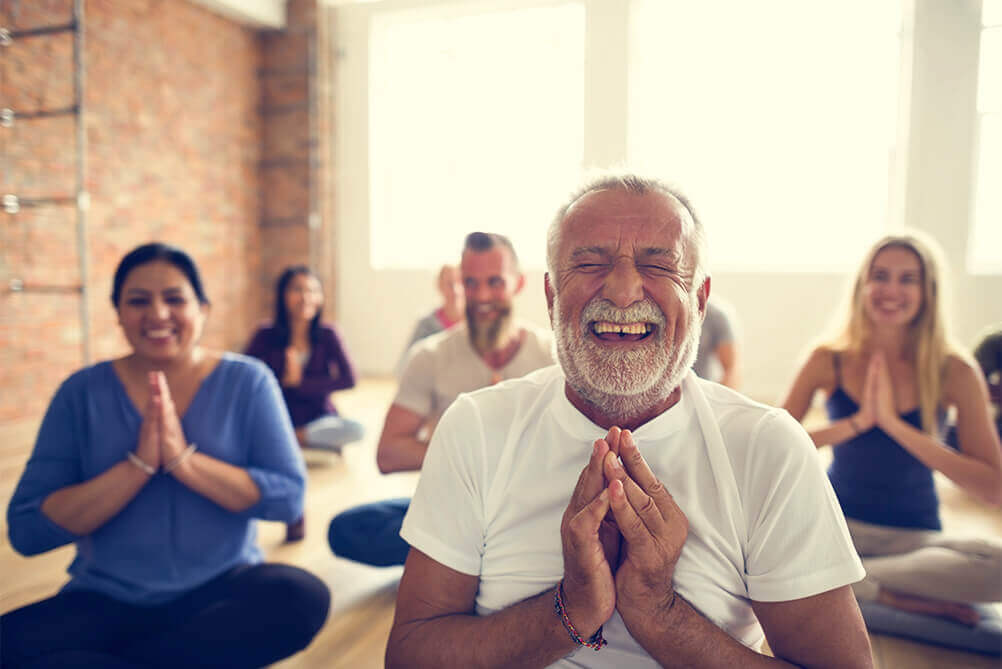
(717, 330)
(440, 367)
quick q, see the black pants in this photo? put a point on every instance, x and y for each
(250, 616)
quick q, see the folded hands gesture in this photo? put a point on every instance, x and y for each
(161, 438)
(622, 535)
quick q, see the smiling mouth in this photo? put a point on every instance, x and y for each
(607, 331)
(162, 333)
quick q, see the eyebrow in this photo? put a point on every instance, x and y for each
(143, 291)
(589, 250)
(888, 270)
(649, 252)
(656, 251)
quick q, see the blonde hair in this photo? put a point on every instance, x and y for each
(929, 343)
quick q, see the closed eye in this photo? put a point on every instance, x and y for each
(658, 268)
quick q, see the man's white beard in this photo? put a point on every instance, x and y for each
(624, 384)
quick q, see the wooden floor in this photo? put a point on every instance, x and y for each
(356, 632)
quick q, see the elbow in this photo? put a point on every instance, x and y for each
(391, 659)
(386, 463)
(286, 510)
(281, 501)
(388, 456)
(241, 502)
(396, 655)
(25, 542)
(993, 496)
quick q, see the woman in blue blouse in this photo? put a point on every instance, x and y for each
(888, 380)
(156, 465)
(310, 362)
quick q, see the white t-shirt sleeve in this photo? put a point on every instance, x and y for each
(797, 544)
(417, 381)
(446, 516)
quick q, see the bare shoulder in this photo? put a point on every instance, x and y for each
(961, 376)
(820, 365)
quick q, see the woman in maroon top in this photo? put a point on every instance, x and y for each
(310, 362)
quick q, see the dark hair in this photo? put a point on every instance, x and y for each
(282, 314)
(485, 241)
(157, 251)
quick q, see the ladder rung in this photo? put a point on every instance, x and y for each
(18, 286)
(44, 113)
(43, 30)
(43, 201)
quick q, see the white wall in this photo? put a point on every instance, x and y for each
(781, 313)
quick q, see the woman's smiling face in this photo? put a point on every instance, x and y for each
(159, 312)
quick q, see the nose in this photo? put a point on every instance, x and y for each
(159, 309)
(624, 285)
(480, 292)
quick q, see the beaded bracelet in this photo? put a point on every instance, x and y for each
(595, 641)
(172, 465)
(147, 468)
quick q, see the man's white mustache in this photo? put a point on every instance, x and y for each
(601, 309)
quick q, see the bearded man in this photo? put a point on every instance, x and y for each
(490, 347)
(617, 503)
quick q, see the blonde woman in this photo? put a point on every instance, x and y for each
(889, 378)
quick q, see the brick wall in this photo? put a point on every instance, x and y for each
(174, 131)
(296, 216)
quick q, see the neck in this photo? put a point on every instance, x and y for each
(627, 419)
(298, 328)
(177, 366)
(893, 342)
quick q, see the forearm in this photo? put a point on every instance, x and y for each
(227, 485)
(836, 432)
(84, 507)
(682, 637)
(321, 386)
(401, 453)
(528, 634)
(971, 474)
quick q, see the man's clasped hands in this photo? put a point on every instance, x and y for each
(622, 534)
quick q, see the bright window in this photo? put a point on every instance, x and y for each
(985, 242)
(475, 123)
(777, 117)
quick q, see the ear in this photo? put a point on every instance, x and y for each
(548, 289)
(519, 284)
(703, 294)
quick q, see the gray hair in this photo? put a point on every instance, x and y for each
(636, 185)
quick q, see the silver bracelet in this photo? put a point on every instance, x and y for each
(172, 465)
(148, 469)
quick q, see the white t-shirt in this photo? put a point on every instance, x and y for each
(764, 524)
(443, 365)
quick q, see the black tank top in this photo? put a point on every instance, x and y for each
(876, 480)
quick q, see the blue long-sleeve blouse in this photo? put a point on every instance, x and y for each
(168, 539)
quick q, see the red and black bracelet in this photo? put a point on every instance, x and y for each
(595, 641)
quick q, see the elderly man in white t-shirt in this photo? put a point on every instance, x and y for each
(617, 503)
